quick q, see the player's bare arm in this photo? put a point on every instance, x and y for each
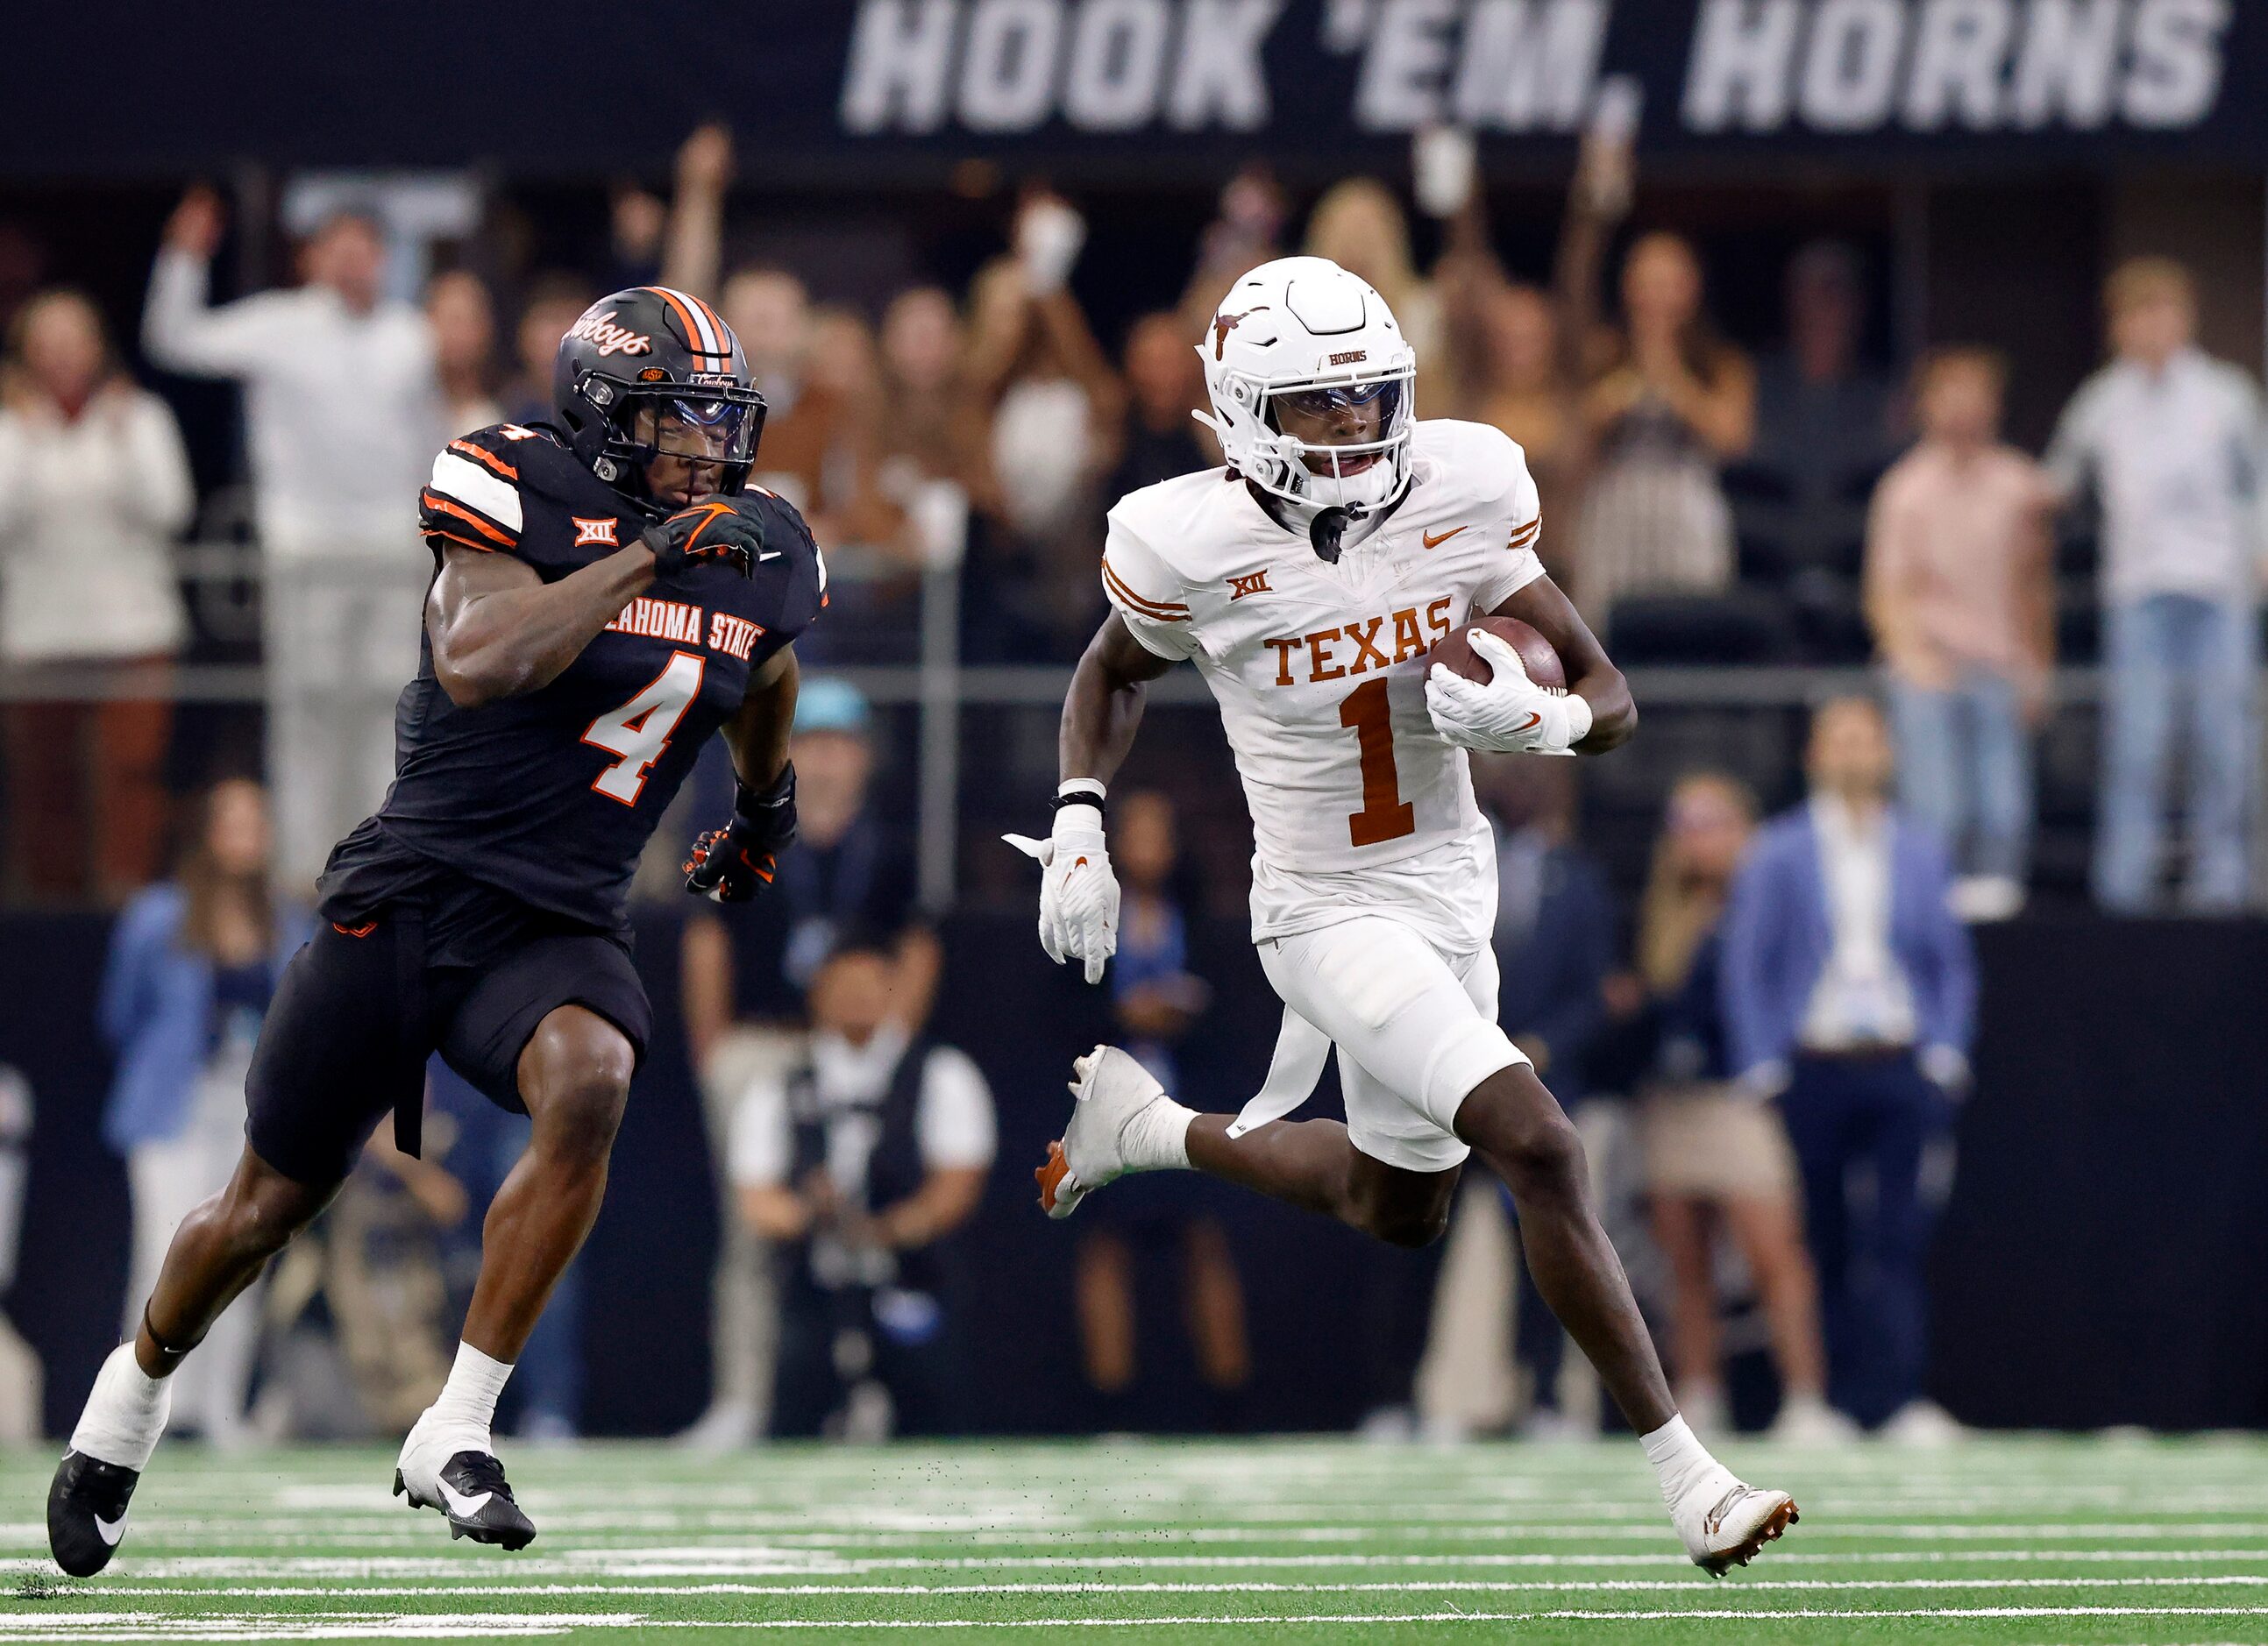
(757, 735)
(1591, 673)
(1103, 709)
(499, 630)
(1078, 893)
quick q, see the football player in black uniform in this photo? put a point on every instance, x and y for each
(608, 592)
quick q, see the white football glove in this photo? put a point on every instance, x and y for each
(1510, 713)
(1078, 893)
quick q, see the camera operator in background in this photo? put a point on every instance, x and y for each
(857, 1166)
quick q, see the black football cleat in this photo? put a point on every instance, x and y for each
(86, 1512)
(474, 1495)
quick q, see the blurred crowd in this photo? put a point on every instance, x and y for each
(1786, 1010)
(1767, 1058)
(1807, 505)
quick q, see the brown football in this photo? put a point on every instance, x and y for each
(1535, 653)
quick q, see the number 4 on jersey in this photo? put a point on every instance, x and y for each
(639, 729)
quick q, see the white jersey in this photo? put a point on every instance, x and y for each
(1356, 800)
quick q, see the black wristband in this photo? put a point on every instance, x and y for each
(762, 805)
(1076, 797)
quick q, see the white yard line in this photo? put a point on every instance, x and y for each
(148, 1627)
(1748, 1585)
(654, 1563)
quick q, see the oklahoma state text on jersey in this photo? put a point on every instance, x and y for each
(551, 795)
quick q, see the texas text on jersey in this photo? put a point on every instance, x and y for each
(1314, 663)
(551, 795)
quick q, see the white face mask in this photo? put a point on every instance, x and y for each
(1366, 490)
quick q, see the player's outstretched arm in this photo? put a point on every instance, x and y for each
(499, 630)
(1591, 673)
(1103, 709)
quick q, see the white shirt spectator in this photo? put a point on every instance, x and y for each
(89, 508)
(1861, 998)
(953, 1123)
(342, 410)
(2176, 457)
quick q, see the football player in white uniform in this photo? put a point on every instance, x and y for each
(1306, 580)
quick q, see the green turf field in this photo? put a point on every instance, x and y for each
(1288, 1542)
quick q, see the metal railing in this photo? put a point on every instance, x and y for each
(224, 580)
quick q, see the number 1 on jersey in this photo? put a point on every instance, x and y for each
(639, 729)
(1385, 815)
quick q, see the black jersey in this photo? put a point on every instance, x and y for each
(549, 796)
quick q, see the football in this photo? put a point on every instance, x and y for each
(1536, 656)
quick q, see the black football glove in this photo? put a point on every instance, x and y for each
(716, 531)
(733, 864)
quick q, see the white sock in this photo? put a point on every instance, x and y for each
(1678, 1460)
(1157, 1139)
(468, 1402)
(125, 1413)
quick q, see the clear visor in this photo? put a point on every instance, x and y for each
(1342, 430)
(698, 430)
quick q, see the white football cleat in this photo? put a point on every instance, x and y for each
(1726, 1524)
(1110, 1091)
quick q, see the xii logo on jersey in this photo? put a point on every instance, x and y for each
(1256, 584)
(596, 530)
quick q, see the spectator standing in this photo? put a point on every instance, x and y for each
(1960, 596)
(1052, 404)
(463, 319)
(1361, 226)
(1849, 991)
(1164, 383)
(2171, 441)
(866, 533)
(856, 1167)
(343, 421)
(193, 966)
(1669, 401)
(555, 302)
(1246, 231)
(933, 465)
(1823, 414)
(744, 977)
(1156, 999)
(94, 488)
(1520, 356)
(1715, 1154)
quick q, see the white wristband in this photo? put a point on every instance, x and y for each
(1579, 718)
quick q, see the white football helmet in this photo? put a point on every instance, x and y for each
(1302, 333)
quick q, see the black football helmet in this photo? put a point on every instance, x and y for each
(648, 349)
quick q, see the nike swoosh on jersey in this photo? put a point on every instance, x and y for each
(769, 553)
(1435, 540)
(460, 1505)
(110, 1530)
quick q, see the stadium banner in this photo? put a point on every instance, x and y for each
(893, 89)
